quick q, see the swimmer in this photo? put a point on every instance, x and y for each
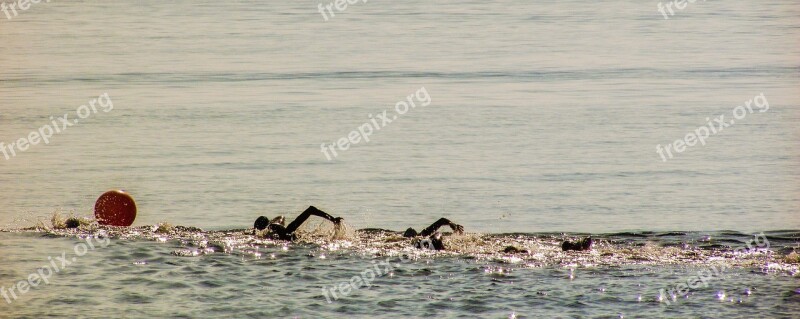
(581, 245)
(434, 237)
(72, 223)
(278, 231)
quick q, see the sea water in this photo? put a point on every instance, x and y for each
(543, 125)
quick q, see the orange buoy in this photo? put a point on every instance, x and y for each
(115, 208)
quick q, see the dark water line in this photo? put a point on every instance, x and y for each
(589, 74)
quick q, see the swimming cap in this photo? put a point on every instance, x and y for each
(261, 223)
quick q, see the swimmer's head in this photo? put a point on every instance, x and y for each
(73, 223)
(261, 223)
(436, 239)
(410, 232)
(431, 243)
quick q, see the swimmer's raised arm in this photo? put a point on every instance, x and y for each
(458, 229)
(311, 210)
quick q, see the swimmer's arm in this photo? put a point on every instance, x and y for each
(438, 224)
(316, 212)
(311, 210)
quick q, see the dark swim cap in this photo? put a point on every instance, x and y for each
(73, 223)
(261, 223)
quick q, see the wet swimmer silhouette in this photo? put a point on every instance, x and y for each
(581, 245)
(434, 240)
(276, 229)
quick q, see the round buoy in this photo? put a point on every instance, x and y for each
(115, 208)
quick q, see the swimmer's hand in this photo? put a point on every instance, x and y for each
(458, 229)
(338, 221)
